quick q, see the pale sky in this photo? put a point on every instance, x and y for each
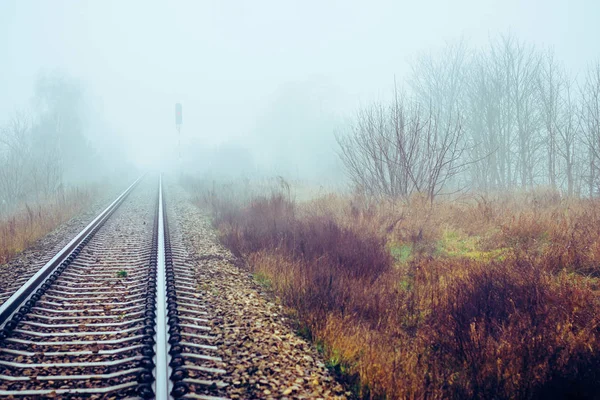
(228, 61)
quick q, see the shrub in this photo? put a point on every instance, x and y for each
(513, 313)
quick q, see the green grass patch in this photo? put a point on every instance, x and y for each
(405, 284)
(456, 244)
(262, 279)
(345, 372)
(401, 253)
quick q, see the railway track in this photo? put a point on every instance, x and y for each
(115, 314)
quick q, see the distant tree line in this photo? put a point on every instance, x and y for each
(41, 150)
(499, 118)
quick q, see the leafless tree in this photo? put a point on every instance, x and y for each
(518, 108)
(369, 155)
(30, 167)
(590, 125)
(48, 165)
(522, 65)
(485, 109)
(495, 94)
(15, 155)
(402, 148)
(551, 83)
(60, 122)
(439, 79)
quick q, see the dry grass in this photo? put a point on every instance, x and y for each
(474, 299)
(22, 228)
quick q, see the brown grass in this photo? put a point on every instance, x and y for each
(475, 299)
(22, 228)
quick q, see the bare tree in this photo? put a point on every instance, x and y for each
(550, 83)
(15, 156)
(439, 152)
(61, 117)
(369, 154)
(590, 125)
(402, 148)
(495, 93)
(567, 131)
(439, 79)
(485, 98)
(47, 169)
(500, 117)
(522, 67)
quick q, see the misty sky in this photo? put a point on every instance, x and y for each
(229, 62)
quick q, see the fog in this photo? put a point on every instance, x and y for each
(264, 84)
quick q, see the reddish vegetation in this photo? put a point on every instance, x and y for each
(22, 228)
(482, 299)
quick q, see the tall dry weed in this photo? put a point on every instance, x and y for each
(516, 317)
(22, 228)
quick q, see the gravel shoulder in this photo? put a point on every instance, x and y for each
(262, 355)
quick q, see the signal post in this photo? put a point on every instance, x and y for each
(178, 121)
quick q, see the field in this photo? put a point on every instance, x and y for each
(21, 228)
(479, 297)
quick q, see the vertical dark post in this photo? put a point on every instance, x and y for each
(178, 121)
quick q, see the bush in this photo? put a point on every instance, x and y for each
(513, 314)
(514, 330)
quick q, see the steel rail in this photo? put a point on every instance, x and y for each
(9, 308)
(162, 383)
(192, 374)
